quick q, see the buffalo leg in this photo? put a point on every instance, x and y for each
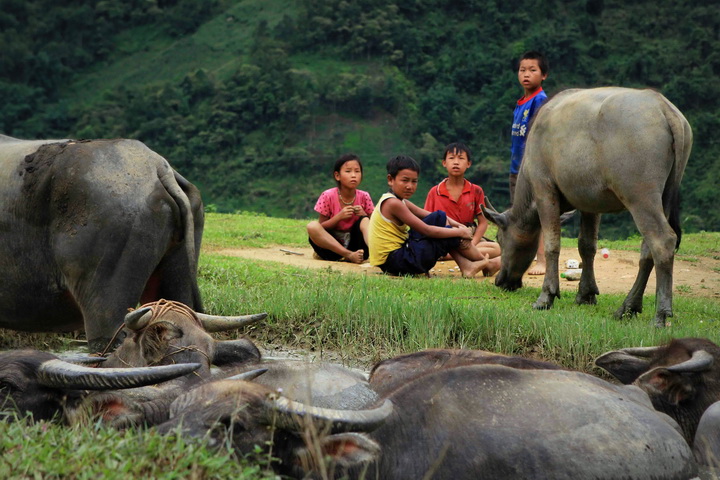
(549, 211)
(106, 272)
(660, 239)
(587, 246)
(633, 303)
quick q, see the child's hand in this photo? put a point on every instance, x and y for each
(465, 232)
(359, 211)
(347, 212)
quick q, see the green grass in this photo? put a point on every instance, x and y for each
(361, 319)
(47, 451)
(372, 317)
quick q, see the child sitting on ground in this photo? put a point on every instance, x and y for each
(341, 231)
(462, 200)
(406, 239)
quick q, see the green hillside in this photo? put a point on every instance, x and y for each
(253, 100)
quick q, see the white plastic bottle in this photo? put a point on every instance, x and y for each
(572, 274)
(605, 253)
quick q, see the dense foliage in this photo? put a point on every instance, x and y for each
(245, 97)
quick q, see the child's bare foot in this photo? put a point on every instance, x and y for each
(492, 268)
(538, 269)
(356, 256)
(475, 267)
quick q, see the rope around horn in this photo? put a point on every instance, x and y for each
(159, 307)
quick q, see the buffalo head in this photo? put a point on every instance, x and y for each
(164, 332)
(518, 245)
(681, 378)
(246, 414)
(41, 385)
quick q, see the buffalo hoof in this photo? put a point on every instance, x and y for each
(542, 305)
(660, 320)
(589, 299)
(626, 312)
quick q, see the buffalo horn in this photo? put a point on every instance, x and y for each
(700, 361)
(290, 414)
(217, 323)
(138, 319)
(492, 215)
(83, 359)
(249, 375)
(490, 205)
(644, 352)
(61, 374)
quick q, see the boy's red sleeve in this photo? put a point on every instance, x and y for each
(479, 200)
(430, 201)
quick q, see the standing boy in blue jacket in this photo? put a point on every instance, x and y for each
(533, 70)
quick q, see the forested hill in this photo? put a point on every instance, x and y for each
(252, 100)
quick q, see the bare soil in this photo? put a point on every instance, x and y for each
(693, 277)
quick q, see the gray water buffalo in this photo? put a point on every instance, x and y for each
(600, 150)
(681, 378)
(470, 422)
(44, 387)
(391, 373)
(319, 384)
(706, 445)
(89, 229)
(167, 333)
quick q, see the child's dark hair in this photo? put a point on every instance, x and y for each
(457, 147)
(402, 162)
(348, 157)
(535, 55)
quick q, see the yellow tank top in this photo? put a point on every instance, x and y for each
(384, 236)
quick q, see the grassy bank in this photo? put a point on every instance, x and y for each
(372, 317)
(363, 319)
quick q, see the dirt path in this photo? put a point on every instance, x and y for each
(615, 274)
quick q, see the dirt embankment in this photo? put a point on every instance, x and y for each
(616, 274)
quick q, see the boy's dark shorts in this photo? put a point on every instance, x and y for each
(419, 254)
(357, 241)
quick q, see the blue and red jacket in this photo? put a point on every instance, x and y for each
(524, 112)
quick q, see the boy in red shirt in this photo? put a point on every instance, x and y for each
(461, 201)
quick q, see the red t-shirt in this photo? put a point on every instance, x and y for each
(467, 207)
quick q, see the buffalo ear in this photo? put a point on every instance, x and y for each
(498, 219)
(671, 387)
(345, 450)
(622, 365)
(567, 216)
(234, 352)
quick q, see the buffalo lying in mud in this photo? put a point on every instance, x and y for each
(470, 422)
(89, 229)
(601, 150)
(319, 384)
(390, 374)
(41, 385)
(681, 378)
(167, 333)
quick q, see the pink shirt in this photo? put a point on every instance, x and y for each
(329, 205)
(467, 207)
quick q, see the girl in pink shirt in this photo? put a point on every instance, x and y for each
(341, 231)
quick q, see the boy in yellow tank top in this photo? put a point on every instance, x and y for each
(406, 239)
